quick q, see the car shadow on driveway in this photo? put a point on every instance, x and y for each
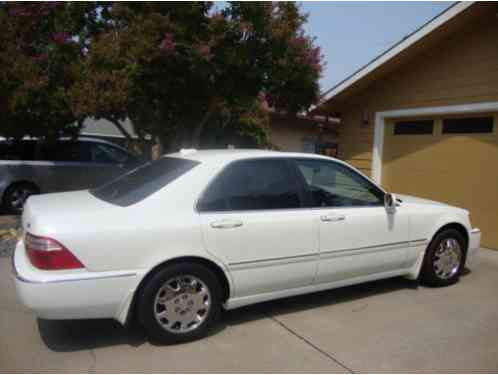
(75, 335)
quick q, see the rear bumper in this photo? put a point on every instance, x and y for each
(78, 294)
(474, 245)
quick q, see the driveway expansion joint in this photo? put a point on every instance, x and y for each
(308, 342)
(93, 366)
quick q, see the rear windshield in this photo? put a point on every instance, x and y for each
(138, 184)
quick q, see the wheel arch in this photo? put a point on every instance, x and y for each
(217, 269)
(456, 226)
(415, 272)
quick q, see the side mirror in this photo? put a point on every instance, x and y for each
(390, 202)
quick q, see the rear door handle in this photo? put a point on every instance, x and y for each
(226, 224)
(332, 217)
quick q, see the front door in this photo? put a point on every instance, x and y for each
(357, 236)
(253, 220)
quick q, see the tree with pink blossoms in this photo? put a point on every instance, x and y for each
(180, 71)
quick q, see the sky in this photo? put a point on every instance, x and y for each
(352, 33)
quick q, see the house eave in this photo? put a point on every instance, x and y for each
(394, 51)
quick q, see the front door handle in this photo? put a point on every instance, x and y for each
(332, 217)
(226, 224)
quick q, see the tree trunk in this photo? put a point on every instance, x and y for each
(196, 135)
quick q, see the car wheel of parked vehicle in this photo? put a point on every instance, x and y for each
(179, 303)
(15, 196)
(444, 259)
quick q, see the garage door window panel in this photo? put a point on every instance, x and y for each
(468, 125)
(414, 127)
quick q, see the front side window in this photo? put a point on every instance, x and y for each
(263, 184)
(102, 153)
(141, 182)
(332, 184)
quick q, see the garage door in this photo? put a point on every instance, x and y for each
(448, 159)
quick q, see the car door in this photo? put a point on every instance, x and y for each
(253, 220)
(357, 236)
(64, 165)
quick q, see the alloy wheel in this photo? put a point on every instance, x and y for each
(447, 258)
(182, 304)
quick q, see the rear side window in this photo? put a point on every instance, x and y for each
(138, 184)
(65, 151)
(17, 150)
(263, 184)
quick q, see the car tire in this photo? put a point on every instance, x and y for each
(179, 303)
(444, 259)
(15, 196)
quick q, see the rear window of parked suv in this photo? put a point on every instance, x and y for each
(138, 184)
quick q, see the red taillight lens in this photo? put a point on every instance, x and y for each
(48, 254)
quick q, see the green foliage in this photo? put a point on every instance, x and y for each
(176, 70)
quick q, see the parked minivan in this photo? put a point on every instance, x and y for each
(31, 166)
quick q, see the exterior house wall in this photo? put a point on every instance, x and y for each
(461, 69)
(288, 134)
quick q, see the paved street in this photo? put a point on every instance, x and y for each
(390, 325)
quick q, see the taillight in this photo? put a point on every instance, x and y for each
(48, 254)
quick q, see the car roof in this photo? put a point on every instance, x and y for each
(227, 155)
(79, 138)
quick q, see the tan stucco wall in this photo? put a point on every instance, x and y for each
(461, 69)
(288, 134)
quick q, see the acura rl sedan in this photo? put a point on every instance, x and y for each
(175, 241)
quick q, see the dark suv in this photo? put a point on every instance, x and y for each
(31, 167)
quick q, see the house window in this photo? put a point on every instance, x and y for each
(468, 125)
(415, 127)
(309, 145)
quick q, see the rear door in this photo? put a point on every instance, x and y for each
(253, 219)
(64, 165)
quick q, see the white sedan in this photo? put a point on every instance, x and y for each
(176, 240)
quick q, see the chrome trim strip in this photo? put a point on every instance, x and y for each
(421, 241)
(273, 259)
(366, 247)
(475, 230)
(325, 254)
(363, 250)
(70, 279)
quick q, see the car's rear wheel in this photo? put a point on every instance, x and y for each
(15, 196)
(444, 259)
(180, 303)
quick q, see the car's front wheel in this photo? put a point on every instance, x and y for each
(444, 259)
(179, 303)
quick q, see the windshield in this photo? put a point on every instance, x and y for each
(136, 185)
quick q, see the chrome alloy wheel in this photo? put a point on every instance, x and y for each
(182, 304)
(447, 258)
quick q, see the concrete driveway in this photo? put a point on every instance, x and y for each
(390, 325)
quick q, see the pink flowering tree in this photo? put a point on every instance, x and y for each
(179, 71)
(184, 71)
(41, 49)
